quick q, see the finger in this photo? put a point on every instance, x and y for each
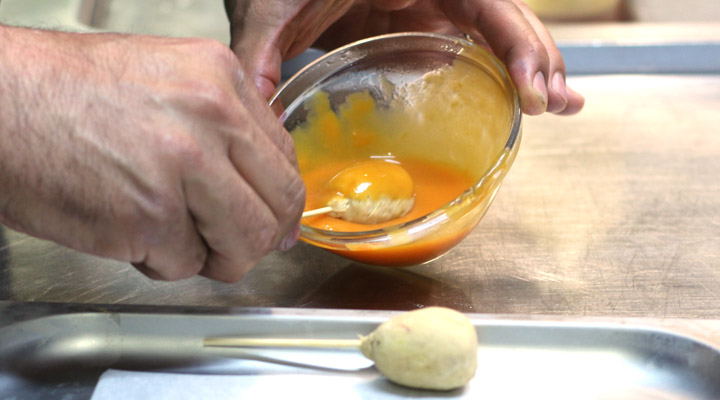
(253, 39)
(265, 33)
(262, 35)
(262, 63)
(247, 206)
(275, 175)
(575, 103)
(179, 254)
(165, 244)
(557, 92)
(275, 180)
(237, 226)
(264, 117)
(271, 173)
(513, 39)
(559, 97)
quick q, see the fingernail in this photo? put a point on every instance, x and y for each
(559, 100)
(541, 88)
(289, 241)
(559, 85)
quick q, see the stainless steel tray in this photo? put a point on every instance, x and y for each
(553, 358)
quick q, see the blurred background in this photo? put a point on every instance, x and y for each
(620, 28)
(207, 18)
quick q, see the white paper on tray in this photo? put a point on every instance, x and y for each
(118, 384)
(548, 375)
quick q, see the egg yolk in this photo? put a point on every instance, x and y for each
(372, 179)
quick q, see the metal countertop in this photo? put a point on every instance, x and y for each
(613, 212)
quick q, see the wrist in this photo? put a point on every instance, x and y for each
(24, 112)
(7, 113)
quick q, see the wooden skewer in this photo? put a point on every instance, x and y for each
(281, 342)
(337, 204)
(318, 211)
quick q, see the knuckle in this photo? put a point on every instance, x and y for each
(532, 48)
(209, 89)
(188, 150)
(208, 98)
(181, 151)
(527, 57)
(219, 52)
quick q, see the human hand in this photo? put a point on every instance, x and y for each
(265, 32)
(150, 150)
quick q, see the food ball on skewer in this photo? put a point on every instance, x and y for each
(431, 348)
(369, 192)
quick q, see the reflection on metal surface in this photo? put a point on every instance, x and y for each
(373, 288)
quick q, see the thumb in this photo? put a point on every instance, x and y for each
(255, 38)
(265, 31)
(261, 61)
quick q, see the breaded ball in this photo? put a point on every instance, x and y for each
(431, 348)
(371, 192)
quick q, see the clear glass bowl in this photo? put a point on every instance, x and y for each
(382, 66)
